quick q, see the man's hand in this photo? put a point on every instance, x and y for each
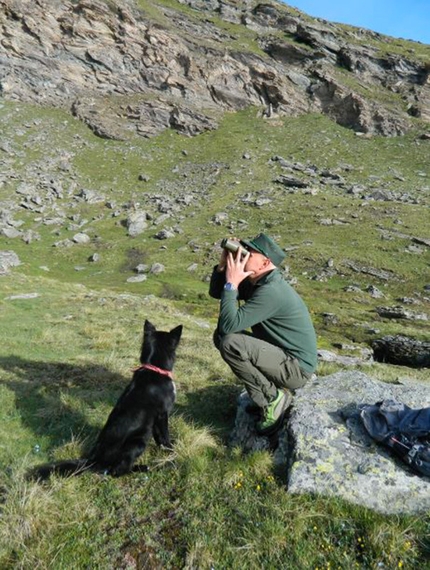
(235, 268)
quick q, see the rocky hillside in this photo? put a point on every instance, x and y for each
(290, 124)
(141, 66)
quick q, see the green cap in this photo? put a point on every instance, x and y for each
(263, 244)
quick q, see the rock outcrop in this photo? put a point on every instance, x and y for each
(121, 68)
(326, 450)
(402, 350)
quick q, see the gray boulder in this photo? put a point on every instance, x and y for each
(137, 278)
(81, 238)
(10, 232)
(402, 350)
(329, 356)
(326, 450)
(399, 312)
(156, 268)
(165, 234)
(136, 223)
(8, 259)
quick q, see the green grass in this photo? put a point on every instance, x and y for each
(64, 359)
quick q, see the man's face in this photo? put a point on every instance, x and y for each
(257, 262)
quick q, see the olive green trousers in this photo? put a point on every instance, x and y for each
(261, 366)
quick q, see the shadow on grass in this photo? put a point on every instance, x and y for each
(42, 388)
(39, 389)
(213, 406)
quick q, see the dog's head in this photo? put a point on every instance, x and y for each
(159, 347)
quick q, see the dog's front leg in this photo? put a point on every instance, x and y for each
(161, 431)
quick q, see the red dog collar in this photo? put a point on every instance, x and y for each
(155, 369)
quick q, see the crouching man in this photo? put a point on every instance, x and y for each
(280, 353)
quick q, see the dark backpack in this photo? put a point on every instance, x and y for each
(403, 430)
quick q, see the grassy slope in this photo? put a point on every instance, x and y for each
(113, 168)
(66, 354)
(65, 357)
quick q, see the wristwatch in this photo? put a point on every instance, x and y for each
(230, 287)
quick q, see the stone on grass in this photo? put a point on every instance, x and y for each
(165, 234)
(141, 268)
(137, 278)
(81, 238)
(157, 268)
(325, 449)
(8, 259)
(10, 233)
(332, 454)
(136, 223)
(22, 296)
(402, 351)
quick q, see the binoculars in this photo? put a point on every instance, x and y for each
(232, 246)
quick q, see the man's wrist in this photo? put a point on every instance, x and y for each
(229, 286)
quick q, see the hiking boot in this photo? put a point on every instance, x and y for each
(274, 413)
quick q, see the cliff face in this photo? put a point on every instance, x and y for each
(143, 66)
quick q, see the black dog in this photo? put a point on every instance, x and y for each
(141, 411)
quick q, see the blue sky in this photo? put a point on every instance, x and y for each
(408, 19)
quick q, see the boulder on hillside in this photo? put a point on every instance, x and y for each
(399, 312)
(402, 350)
(136, 223)
(8, 259)
(326, 449)
(82, 238)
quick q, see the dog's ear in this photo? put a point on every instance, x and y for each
(148, 327)
(176, 333)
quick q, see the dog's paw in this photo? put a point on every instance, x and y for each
(140, 469)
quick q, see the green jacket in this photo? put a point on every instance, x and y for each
(274, 312)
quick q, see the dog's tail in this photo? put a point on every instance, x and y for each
(65, 468)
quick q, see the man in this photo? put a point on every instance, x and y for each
(280, 354)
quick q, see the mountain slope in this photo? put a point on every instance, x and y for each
(129, 204)
(143, 66)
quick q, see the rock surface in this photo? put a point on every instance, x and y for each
(89, 57)
(328, 451)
